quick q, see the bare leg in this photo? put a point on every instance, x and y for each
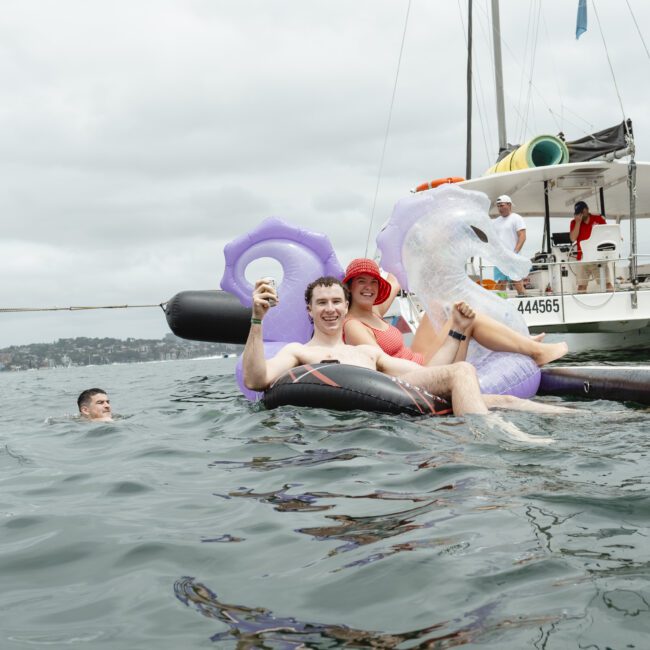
(458, 381)
(490, 334)
(517, 404)
(519, 285)
(498, 337)
(608, 278)
(494, 420)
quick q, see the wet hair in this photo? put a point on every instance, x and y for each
(325, 281)
(87, 395)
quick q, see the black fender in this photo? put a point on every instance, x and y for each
(211, 315)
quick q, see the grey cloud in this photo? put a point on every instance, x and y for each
(138, 138)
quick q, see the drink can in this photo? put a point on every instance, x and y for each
(271, 282)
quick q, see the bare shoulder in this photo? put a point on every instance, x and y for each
(292, 348)
(289, 354)
(352, 321)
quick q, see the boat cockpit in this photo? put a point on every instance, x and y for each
(618, 190)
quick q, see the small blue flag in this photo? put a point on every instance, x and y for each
(581, 23)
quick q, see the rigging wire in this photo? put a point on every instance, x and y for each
(16, 310)
(637, 28)
(519, 124)
(515, 59)
(390, 117)
(478, 90)
(488, 131)
(558, 122)
(609, 62)
(533, 57)
(589, 126)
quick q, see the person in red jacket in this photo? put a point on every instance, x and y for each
(579, 230)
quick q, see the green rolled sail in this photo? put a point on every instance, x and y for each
(541, 151)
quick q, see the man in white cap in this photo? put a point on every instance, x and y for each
(511, 228)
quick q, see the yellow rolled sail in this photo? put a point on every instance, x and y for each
(541, 151)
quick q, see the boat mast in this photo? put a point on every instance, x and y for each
(498, 75)
(468, 151)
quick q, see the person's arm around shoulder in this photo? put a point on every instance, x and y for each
(258, 373)
(356, 333)
(382, 308)
(394, 366)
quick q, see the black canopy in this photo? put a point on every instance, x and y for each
(615, 138)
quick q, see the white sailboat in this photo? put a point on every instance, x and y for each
(614, 185)
(621, 190)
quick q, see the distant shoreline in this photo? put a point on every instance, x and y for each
(83, 352)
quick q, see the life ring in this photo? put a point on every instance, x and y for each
(343, 387)
(438, 181)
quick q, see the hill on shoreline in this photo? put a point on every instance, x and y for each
(83, 351)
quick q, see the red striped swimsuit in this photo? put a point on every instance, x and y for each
(392, 343)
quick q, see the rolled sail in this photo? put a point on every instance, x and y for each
(542, 151)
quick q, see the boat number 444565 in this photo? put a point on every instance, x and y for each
(539, 306)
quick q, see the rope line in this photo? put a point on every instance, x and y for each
(638, 29)
(390, 117)
(520, 124)
(10, 310)
(609, 62)
(533, 59)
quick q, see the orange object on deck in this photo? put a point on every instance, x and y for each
(439, 181)
(488, 284)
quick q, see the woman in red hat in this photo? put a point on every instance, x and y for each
(372, 295)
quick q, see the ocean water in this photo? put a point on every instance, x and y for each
(198, 520)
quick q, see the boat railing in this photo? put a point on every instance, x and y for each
(550, 277)
(559, 283)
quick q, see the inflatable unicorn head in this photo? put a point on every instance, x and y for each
(426, 243)
(429, 238)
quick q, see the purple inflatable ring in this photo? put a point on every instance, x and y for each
(304, 256)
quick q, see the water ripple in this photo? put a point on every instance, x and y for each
(320, 529)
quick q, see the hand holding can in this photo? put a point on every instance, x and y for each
(271, 282)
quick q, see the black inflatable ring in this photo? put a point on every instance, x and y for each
(344, 387)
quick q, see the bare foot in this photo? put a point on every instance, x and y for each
(548, 352)
(539, 337)
(495, 421)
(518, 404)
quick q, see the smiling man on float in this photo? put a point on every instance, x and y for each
(327, 303)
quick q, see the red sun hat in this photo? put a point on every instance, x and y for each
(364, 266)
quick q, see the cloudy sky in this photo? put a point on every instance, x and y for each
(137, 137)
